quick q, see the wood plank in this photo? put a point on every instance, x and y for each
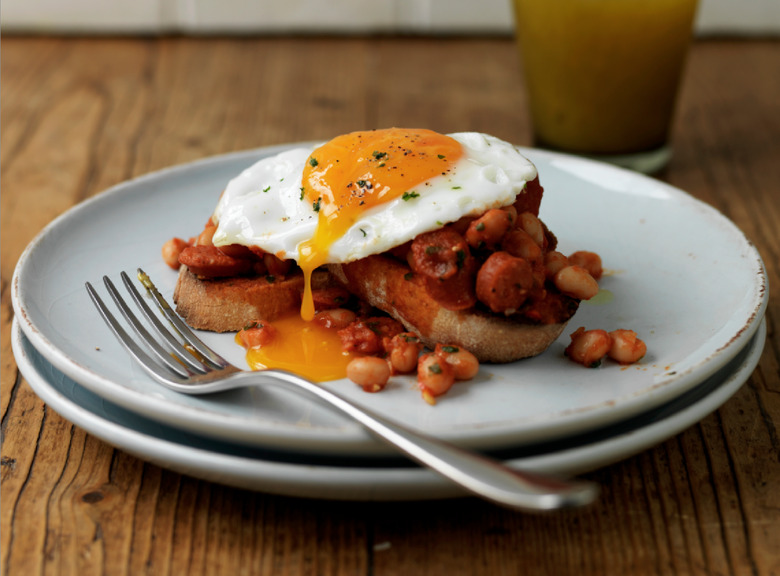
(80, 115)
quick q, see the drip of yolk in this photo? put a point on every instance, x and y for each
(341, 180)
(302, 347)
(358, 171)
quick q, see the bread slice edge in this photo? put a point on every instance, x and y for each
(387, 285)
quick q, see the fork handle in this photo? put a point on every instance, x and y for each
(480, 475)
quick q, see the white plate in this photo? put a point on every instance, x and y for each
(361, 479)
(682, 275)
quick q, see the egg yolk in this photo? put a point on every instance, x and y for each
(305, 348)
(341, 180)
(359, 171)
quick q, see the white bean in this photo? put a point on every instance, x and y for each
(576, 282)
(369, 372)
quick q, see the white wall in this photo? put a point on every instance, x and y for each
(757, 17)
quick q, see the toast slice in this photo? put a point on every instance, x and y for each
(229, 304)
(386, 284)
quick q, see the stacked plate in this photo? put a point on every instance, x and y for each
(678, 272)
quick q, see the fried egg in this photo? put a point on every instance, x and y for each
(359, 194)
(365, 193)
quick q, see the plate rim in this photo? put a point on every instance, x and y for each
(377, 483)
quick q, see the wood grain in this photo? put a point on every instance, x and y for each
(82, 114)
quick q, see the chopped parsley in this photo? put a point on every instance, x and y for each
(450, 349)
(432, 249)
(302, 189)
(379, 155)
(363, 231)
(266, 189)
(316, 205)
(456, 187)
(408, 276)
(461, 258)
(480, 227)
(313, 162)
(409, 195)
(441, 156)
(434, 369)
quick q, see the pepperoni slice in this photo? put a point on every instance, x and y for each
(503, 282)
(456, 292)
(211, 262)
(439, 254)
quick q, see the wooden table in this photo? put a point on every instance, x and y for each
(79, 115)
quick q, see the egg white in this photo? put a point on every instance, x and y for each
(263, 205)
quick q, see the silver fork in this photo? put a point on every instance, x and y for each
(185, 364)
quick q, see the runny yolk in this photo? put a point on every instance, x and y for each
(305, 348)
(358, 171)
(341, 180)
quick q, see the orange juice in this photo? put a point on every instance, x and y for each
(603, 75)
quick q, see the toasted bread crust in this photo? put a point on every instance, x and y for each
(386, 284)
(229, 304)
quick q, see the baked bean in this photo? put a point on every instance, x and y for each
(588, 260)
(489, 229)
(257, 335)
(404, 350)
(626, 347)
(576, 282)
(503, 282)
(520, 243)
(171, 251)
(335, 318)
(588, 347)
(463, 362)
(206, 237)
(533, 226)
(434, 376)
(554, 262)
(369, 372)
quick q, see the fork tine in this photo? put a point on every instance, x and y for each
(184, 331)
(192, 358)
(130, 344)
(166, 356)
